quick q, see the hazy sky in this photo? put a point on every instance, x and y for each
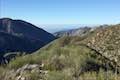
(62, 11)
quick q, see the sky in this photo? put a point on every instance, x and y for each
(41, 12)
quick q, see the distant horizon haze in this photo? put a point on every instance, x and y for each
(52, 28)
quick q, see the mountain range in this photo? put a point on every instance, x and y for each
(93, 56)
(77, 54)
(82, 31)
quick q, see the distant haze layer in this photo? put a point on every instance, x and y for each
(61, 27)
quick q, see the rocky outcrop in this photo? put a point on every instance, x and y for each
(106, 41)
(27, 72)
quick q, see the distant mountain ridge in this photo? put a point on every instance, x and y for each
(74, 32)
(21, 36)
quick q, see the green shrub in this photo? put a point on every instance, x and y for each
(22, 60)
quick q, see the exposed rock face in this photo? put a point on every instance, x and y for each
(74, 32)
(106, 41)
(21, 36)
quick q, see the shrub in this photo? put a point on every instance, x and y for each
(22, 60)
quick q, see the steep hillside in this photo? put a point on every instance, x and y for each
(24, 29)
(106, 41)
(11, 43)
(21, 36)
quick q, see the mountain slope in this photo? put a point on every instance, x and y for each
(107, 42)
(25, 29)
(21, 36)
